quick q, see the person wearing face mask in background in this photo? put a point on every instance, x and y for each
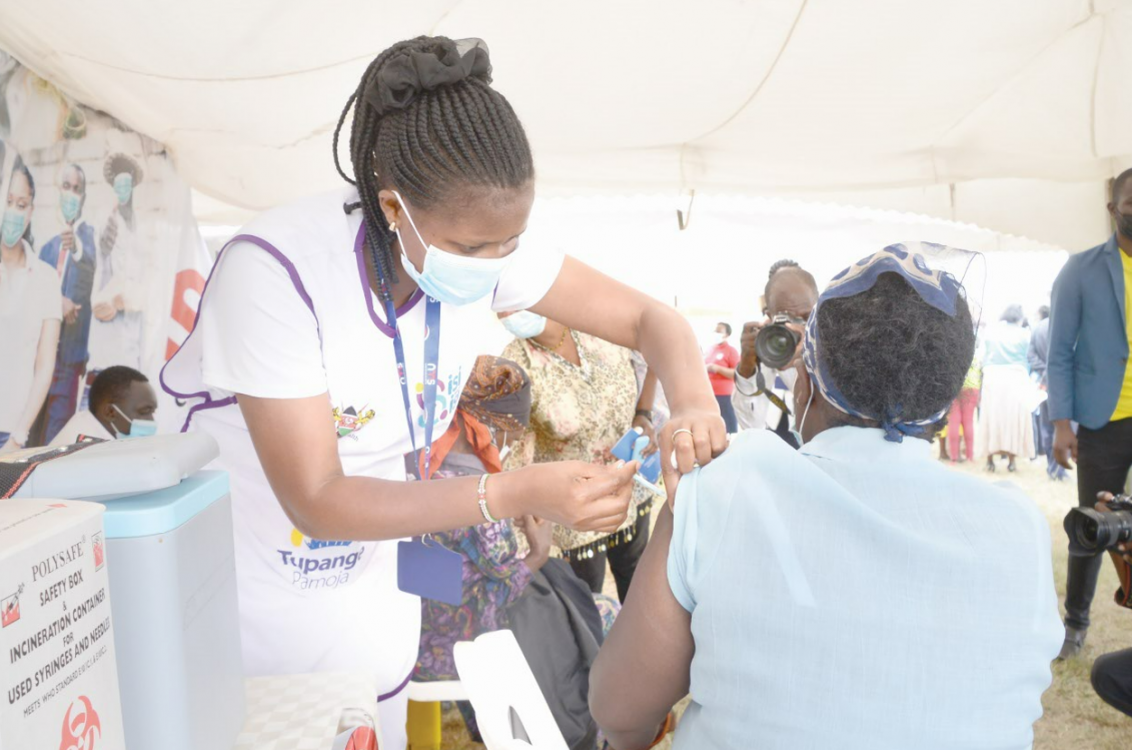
(310, 366)
(122, 405)
(119, 286)
(30, 315)
(720, 361)
(1090, 385)
(72, 253)
(790, 291)
(584, 399)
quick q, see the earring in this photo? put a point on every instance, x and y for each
(392, 226)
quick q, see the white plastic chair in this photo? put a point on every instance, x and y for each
(510, 709)
(439, 691)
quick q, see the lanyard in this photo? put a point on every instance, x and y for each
(773, 397)
(431, 359)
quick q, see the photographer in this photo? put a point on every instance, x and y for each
(790, 296)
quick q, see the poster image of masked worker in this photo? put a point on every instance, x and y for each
(72, 253)
(118, 293)
(335, 335)
(30, 314)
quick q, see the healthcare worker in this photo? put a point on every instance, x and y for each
(335, 335)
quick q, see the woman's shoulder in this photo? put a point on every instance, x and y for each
(763, 445)
(43, 275)
(751, 455)
(309, 226)
(990, 498)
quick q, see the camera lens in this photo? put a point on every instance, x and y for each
(1088, 532)
(775, 346)
(1091, 531)
(778, 344)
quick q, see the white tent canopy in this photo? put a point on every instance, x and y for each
(1011, 114)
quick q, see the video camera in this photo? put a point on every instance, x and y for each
(1092, 530)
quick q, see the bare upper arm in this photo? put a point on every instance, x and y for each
(612, 310)
(49, 338)
(644, 666)
(295, 442)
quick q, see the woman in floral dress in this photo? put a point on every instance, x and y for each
(584, 398)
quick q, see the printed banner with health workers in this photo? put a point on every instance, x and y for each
(102, 262)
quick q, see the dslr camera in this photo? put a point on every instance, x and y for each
(1093, 530)
(775, 344)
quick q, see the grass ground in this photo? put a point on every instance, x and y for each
(1074, 716)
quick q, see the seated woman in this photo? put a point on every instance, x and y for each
(856, 593)
(508, 579)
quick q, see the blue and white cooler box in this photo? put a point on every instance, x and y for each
(170, 558)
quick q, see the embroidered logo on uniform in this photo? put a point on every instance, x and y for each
(349, 421)
(319, 564)
(444, 391)
(298, 540)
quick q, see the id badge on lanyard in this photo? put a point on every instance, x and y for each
(424, 568)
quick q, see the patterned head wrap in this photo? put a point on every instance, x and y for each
(937, 288)
(496, 397)
(498, 394)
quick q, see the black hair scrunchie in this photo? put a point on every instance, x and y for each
(402, 78)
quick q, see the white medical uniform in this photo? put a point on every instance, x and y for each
(29, 295)
(118, 341)
(295, 318)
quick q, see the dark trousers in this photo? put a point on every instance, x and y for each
(1104, 457)
(728, 413)
(1112, 679)
(623, 561)
(1045, 435)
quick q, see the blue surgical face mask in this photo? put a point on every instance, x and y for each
(70, 204)
(448, 277)
(138, 427)
(525, 324)
(124, 187)
(15, 222)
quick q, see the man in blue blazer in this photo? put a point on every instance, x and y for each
(1090, 383)
(72, 254)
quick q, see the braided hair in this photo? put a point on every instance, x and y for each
(428, 136)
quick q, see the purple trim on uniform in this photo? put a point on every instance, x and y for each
(383, 326)
(393, 693)
(209, 402)
(196, 319)
(285, 262)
